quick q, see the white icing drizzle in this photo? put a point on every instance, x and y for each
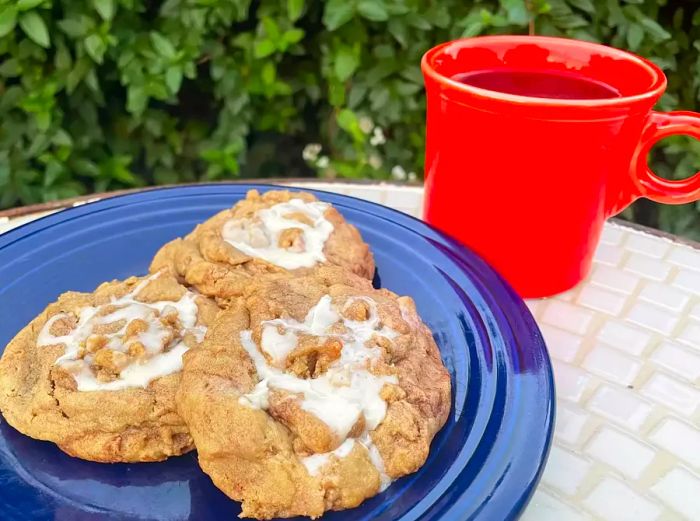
(315, 462)
(279, 345)
(163, 353)
(408, 314)
(259, 236)
(377, 460)
(346, 391)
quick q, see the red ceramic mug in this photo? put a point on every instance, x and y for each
(527, 182)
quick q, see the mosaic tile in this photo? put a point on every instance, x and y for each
(614, 501)
(621, 451)
(681, 491)
(620, 405)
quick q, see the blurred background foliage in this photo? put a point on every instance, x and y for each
(98, 95)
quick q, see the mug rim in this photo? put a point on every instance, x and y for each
(652, 93)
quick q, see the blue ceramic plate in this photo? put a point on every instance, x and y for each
(484, 464)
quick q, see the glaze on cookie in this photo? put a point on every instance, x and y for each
(96, 373)
(313, 393)
(266, 235)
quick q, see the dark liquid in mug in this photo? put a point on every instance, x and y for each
(539, 84)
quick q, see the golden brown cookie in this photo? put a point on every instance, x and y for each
(96, 373)
(264, 235)
(312, 393)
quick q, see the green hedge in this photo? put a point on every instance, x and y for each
(103, 94)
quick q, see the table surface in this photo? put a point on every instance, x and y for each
(625, 346)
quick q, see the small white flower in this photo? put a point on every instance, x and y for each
(322, 162)
(311, 151)
(366, 124)
(377, 137)
(398, 173)
(412, 176)
(375, 161)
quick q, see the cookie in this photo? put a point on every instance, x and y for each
(312, 393)
(96, 373)
(264, 235)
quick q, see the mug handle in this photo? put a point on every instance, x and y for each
(658, 126)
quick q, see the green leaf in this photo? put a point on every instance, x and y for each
(336, 93)
(473, 25)
(136, 99)
(337, 13)
(348, 121)
(293, 36)
(655, 29)
(584, 5)
(516, 11)
(61, 138)
(543, 8)
(34, 27)
(26, 5)
(678, 17)
(10, 68)
(408, 89)
(73, 27)
(635, 35)
(162, 45)
(440, 16)
(473, 29)
(268, 73)
(68, 189)
(615, 14)
(117, 168)
(12, 96)
(373, 10)
(62, 59)
(383, 51)
(76, 75)
(8, 19)
(356, 95)
(498, 20)
(125, 176)
(379, 98)
(413, 75)
(570, 21)
(29, 194)
(397, 29)
(85, 167)
(419, 22)
(43, 120)
(696, 18)
(173, 79)
(105, 8)
(345, 63)
(294, 9)
(157, 89)
(271, 28)
(263, 48)
(4, 173)
(582, 34)
(165, 177)
(95, 47)
(52, 173)
(92, 82)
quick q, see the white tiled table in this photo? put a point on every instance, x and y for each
(625, 346)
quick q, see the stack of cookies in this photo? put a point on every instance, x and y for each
(257, 339)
